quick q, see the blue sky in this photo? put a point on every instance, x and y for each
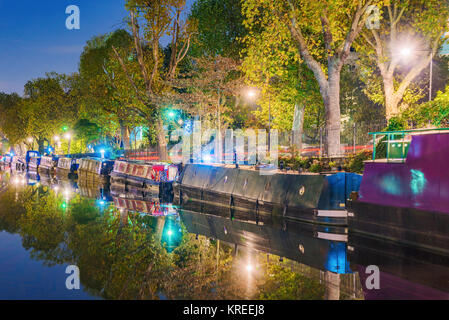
(34, 39)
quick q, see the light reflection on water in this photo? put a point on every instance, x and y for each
(130, 246)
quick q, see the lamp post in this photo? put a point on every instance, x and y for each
(431, 77)
(251, 95)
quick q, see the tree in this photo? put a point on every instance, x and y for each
(272, 64)
(105, 86)
(10, 125)
(410, 32)
(219, 28)
(160, 18)
(47, 106)
(434, 113)
(323, 33)
(210, 89)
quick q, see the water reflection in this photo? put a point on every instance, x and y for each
(129, 245)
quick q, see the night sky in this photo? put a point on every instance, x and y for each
(34, 39)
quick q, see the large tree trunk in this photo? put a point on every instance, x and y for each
(161, 140)
(41, 147)
(391, 100)
(332, 114)
(124, 135)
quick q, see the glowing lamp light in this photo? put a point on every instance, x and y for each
(169, 233)
(56, 138)
(102, 151)
(249, 268)
(406, 52)
(251, 94)
(67, 193)
(207, 158)
(171, 114)
(30, 140)
(101, 203)
(67, 136)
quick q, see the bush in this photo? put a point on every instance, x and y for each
(355, 163)
(316, 167)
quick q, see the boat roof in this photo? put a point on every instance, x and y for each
(412, 131)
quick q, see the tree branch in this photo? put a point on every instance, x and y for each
(130, 80)
(137, 44)
(305, 54)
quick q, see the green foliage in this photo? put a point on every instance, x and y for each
(273, 64)
(10, 124)
(49, 104)
(355, 163)
(297, 163)
(219, 27)
(316, 167)
(106, 97)
(284, 284)
(434, 113)
(87, 131)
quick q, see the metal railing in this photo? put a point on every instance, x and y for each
(398, 142)
(246, 144)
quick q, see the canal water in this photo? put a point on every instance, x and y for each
(128, 245)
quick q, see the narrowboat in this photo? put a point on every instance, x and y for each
(95, 169)
(33, 161)
(317, 198)
(405, 196)
(48, 165)
(5, 162)
(66, 168)
(155, 178)
(18, 163)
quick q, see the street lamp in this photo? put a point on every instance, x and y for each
(68, 136)
(406, 52)
(251, 93)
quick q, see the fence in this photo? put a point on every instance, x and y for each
(257, 146)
